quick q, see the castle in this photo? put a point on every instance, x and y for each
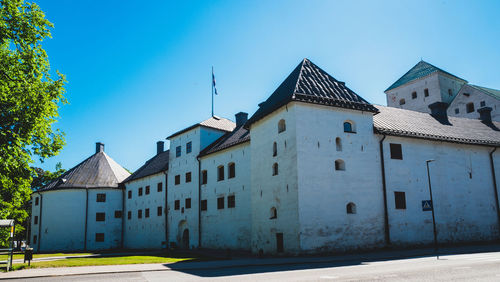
(316, 168)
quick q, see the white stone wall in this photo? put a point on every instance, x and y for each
(445, 83)
(279, 191)
(227, 228)
(324, 192)
(145, 233)
(475, 96)
(111, 226)
(462, 190)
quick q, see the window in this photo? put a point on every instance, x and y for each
(351, 208)
(203, 205)
(469, 107)
(187, 203)
(482, 104)
(281, 126)
(231, 170)
(188, 177)
(402, 102)
(177, 151)
(35, 239)
(339, 165)
(129, 215)
(338, 144)
(189, 148)
(130, 194)
(450, 93)
(231, 201)
(177, 205)
(36, 201)
(396, 151)
(118, 214)
(101, 197)
(159, 211)
(220, 203)
(177, 179)
(139, 192)
(204, 177)
(100, 216)
(275, 149)
(139, 214)
(147, 190)
(426, 92)
(400, 199)
(275, 169)
(99, 237)
(273, 213)
(159, 187)
(349, 127)
(457, 111)
(466, 94)
(414, 95)
(146, 211)
(220, 173)
(36, 219)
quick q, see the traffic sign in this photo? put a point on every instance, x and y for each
(427, 205)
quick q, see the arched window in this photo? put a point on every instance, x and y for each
(275, 169)
(351, 208)
(281, 126)
(220, 173)
(349, 127)
(402, 102)
(338, 144)
(275, 149)
(273, 213)
(231, 167)
(339, 165)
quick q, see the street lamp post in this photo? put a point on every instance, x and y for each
(432, 206)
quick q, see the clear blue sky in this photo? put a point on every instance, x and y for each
(140, 70)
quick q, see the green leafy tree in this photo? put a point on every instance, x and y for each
(29, 104)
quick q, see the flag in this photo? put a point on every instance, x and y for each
(213, 82)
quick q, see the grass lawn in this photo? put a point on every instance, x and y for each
(110, 260)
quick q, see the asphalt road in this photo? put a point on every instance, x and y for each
(467, 267)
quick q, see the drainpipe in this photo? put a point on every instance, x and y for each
(166, 210)
(493, 176)
(384, 190)
(199, 202)
(86, 218)
(40, 222)
(123, 217)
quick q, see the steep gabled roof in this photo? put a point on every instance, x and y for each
(238, 136)
(492, 92)
(214, 122)
(156, 164)
(421, 69)
(399, 122)
(97, 171)
(309, 83)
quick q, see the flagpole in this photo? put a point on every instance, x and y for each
(212, 82)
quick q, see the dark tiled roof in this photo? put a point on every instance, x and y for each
(213, 122)
(97, 171)
(156, 164)
(238, 136)
(309, 83)
(399, 122)
(492, 92)
(420, 70)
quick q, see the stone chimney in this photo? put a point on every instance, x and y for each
(485, 114)
(160, 147)
(438, 109)
(99, 147)
(241, 118)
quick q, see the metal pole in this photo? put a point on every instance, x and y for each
(432, 206)
(212, 91)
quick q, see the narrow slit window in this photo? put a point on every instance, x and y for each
(275, 169)
(281, 126)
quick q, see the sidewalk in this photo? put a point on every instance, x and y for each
(242, 262)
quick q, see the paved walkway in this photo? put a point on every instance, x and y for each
(239, 262)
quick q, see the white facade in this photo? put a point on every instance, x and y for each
(470, 99)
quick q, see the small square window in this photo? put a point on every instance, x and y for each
(177, 205)
(159, 211)
(203, 205)
(177, 179)
(231, 201)
(400, 200)
(469, 107)
(160, 187)
(178, 151)
(188, 203)
(101, 197)
(189, 147)
(146, 211)
(129, 215)
(414, 95)
(482, 104)
(36, 219)
(147, 190)
(100, 216)
(139, 192)
(139, 214)
(426, 92)
(220, 203)
(130, 194)
(450, 93)
(35, 239)
(204, 177)
(36, 201)
(118, 214)
(188, 177)
(457, 111)
(396, 151)
(99, 237)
